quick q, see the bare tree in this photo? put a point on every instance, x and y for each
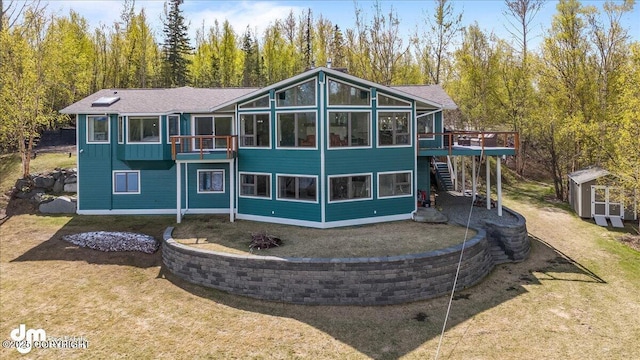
(11, 12)
(434, 43)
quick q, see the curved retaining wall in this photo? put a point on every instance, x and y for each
(326, 281)
(513, 239)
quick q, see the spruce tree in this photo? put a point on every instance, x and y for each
(176, 46)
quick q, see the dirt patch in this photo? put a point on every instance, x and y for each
(633, 241)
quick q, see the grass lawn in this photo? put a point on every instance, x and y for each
(576, 297)
(402, 237)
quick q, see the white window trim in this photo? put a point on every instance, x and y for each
(315, 98)
(168, 128)
(329, 201)
(240, 146)
(409, 134)
(129, 141)
(121, 120)
(108, 130)
(296, 200)
(240, 106)
(113, 179)
(329, 105)
(242, 173)
(433, 124)
(393, 173)
(294, 147)
(224, 181)
(328, 139)
(407, 104)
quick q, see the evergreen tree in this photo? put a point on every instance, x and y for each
(251, 73)
(176, 46)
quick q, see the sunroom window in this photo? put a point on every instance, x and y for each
(255, 185)
(349, 129)
(394, 184)
(254, 130)
(299, 188)
(344, 94)
(259, 103)
(144, 129)
(384, 100)
(393, 128)
(297, 129)
(299, 95)
(350, 187)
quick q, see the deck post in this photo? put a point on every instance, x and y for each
(499, 184)
(462, 171)
(455, 173)
(488, 169)
(232, 191)
(178, 192)
(473, 178)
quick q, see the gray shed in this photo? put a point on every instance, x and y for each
(589, 196)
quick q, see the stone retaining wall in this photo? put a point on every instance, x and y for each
(342, 281)
(513, 239)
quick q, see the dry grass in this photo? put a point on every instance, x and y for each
(388, 239)
(576, 297)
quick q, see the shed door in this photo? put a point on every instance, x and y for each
(604, 202)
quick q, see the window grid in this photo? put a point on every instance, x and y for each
(297, 188)
(394, 129)
(255, 185)
(395, 184)
(126, 182)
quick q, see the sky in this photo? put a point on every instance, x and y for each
(259, 14)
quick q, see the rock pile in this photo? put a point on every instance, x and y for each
(42, 190)
(114, 241)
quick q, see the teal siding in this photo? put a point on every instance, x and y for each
(96, 163)
(424, 173)
(207, 201)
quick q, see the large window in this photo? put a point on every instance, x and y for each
(393, 128)
(349, 129)
(351, 187)
(395, 184)
(384, 100)
(144, 129)
(259, 103)
(343, 94)
(98, 129)
(303, 94)
(297, 188)
(254, 130)
(210, 181)
(173, 127)
(126, 182)
(255, 185)
(297, 129)
(426, 125)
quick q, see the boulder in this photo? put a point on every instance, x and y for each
(45, 182)
(59, 186)
(59, 205)
(71, 188)
(70, 179)
(430, 215)
(56, 174)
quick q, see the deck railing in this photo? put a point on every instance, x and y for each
(204, 144)
(484, 139)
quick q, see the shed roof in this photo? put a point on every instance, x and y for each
(588, 174)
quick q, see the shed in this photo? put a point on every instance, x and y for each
(591, 195)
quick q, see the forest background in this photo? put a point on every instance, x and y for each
(574, 95)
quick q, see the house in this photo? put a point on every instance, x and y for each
(321, 149)
(593, 194)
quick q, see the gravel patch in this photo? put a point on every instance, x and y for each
(456, 207)
(114, 241)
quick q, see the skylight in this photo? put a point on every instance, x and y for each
(105, 101)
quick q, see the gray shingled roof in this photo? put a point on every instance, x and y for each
(588, 174)
(157, 101)
(431, 92)
(197, 100)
